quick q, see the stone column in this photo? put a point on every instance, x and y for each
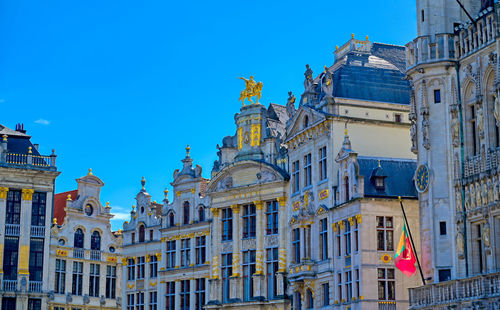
(235, 280)
(24, 237)
(192, 295)
(177, 302)
(302, 234)
(259, 276)
(214, 281)
(177, 253)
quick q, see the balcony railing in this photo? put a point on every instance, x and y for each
(29, 160)
(38, 231)
(386, 305)
(78, 253)
(35, 286)
(482, 163)
(455, 291)
(426, 49)
(95, 255)
(10, 285)
(472, 37)
(12, 230)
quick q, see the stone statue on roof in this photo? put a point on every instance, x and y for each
(290, 104)
(308, 77)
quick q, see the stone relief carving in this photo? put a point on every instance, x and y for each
(486, 236)
(248, 244)
(458, 199)
(484, 193)
(491, 194)
(472, 197)
(266, 176)
(460, 240)
(413, 135)
(425, 131)
(227, 247)
(467, 198)
(272, 240)
(225, 183)
(477, 186)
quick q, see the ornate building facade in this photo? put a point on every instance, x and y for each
(167, 246)
(453, 69)
(26, 195)
(85, 255)
(335, 210)
(248, 192)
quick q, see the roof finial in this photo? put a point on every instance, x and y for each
(29, 150)
(143, 182)
(352, 35)
(188, 148)
(366, 38)
(379, 164)
(345, 128)
(90, 172)
(68, 197)
(54, 221)
(107, 205)
(166, 192)
(4, 138)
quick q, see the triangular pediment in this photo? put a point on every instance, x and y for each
(296, 124)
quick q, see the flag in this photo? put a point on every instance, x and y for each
(405, 257)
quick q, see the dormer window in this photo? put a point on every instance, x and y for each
(379, 183)
(171, 219)
(142, 233)
(201, 214)
(186, 213)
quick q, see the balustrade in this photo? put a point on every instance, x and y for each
(12, 230)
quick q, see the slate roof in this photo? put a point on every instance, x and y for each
(399, 176)
(17, 142)
(276, 119)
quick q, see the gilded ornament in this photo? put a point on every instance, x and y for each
(3, 192)
(28, 194)
(251, 89)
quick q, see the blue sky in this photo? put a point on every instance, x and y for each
(122, 86)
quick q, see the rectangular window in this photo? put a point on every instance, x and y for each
(34, 304)
(38, 207)
(36, 260)
(151, 235)
(397, 118)
(442, 228)
(132, 238)
(356, 236)
(200, 294)
(13, 208)
(139, 301)
(249, 221)
(326, 294)
(130, 301)
(323, 238)
(437, 96)
(153, 266)
(385, 233)
(170, 254)
(347, 237)
(130, 269)
(296, 245)
(201, 250)
(227, 224)
(386, 284)
(185, 252)
(141, 263)
(444, 275)
(76, 287)
(322, 164)
(339, 242)
(248, 271)
(110, 281)
(185, 294)
(357, 288)
(60, 281)
(272, 217)
(339, 286)
(348, 285)
(227, 271)
(95, 271)
(170, 296)
(295, 177)
(307, 170)
(272, 264)
(422, 15)
(153, 300)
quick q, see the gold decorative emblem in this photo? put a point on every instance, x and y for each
(296, 206)
(111, 259)
(251, 89)
(246, 137)
(62, 253)
(386, 258)
(323, 194)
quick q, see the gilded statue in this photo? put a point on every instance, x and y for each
(251, 89)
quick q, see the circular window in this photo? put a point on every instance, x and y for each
(61, 242)
(89, 210)
(112, 249)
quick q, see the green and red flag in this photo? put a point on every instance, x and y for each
(405, 257)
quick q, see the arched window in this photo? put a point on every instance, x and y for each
(310, 299)
(306, 121)
(201, 214)
(171, 219)
(298, 301)
(95, 241)
(142, 233)
(346, 188)
(186, 212)
(78, 243)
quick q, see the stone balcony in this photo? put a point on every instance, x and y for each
(459, 293)
(483, 163)
(428, 49)
(28, 161)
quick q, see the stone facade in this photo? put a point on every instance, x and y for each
(85, 255)
(166, 246)
(26, 196)
(453, 69)
(333, 206)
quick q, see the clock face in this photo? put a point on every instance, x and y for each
(422, 178)
(89, 210)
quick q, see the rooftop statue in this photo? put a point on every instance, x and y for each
(308, 77)
(251, 89)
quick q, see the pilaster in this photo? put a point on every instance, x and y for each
(236, 241)
(259, 255)
(214, 270)
(3, 207)
(282, 234)
(24, 236)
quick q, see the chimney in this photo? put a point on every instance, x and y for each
(20, 128)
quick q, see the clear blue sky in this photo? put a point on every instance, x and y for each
(122, 86)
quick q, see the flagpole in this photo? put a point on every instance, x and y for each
(411, 240)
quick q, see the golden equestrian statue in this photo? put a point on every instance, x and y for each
(251, 89)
